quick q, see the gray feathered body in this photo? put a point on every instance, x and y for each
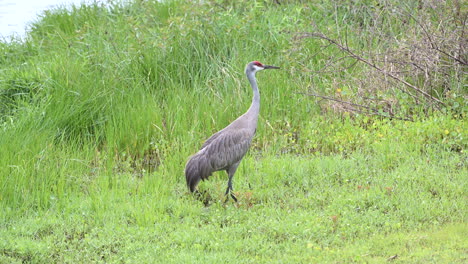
(221, 151)
(225, 149)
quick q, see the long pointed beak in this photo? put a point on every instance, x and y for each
(270, 67)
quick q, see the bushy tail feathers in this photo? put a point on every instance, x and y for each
(197, 168)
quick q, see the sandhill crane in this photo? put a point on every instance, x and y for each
(225, 149)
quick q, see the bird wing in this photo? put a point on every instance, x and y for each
(227, 147)
(211, 139)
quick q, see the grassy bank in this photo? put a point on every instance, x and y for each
(101, 106)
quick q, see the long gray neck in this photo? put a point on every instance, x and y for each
(254, 109)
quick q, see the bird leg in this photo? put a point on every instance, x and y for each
(231, 170)
(229, 191)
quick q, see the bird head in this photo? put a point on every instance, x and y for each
(256, 66)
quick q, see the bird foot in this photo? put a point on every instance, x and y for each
(232, 196)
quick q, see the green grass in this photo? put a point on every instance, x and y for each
(100, 107)
(300, 210)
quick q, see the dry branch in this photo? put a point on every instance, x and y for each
(362, 59)
(371, 111)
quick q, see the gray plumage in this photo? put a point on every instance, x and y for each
(225, 149)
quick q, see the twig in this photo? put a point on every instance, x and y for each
(332, 63)
(357, 57)
(433, 44)
(373, 110)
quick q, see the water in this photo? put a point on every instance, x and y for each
(15, 15)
